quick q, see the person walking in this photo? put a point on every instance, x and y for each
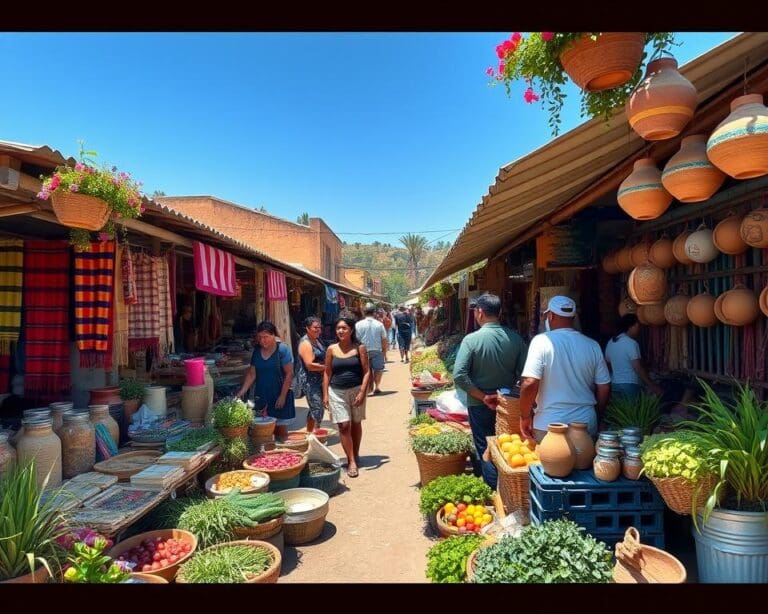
(372, 334)
(488, 359)
(312, 356)
(391, 330)
(404, 325)
(345, 382)
(622, 353)
(565, 374)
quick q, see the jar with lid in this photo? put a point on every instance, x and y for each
(7, 453)
(632, 464)
(607, 465)
(100, 415)
(608, 439)
(630, 441)
(78, 444)
(30, 414)
(58, 410)
(632, 431)
(41, 444)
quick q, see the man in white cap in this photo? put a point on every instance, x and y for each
(565, 373)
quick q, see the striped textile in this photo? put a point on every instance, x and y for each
(281, 318)
(165, 328)
(129, 278)
(171, 255)
(120, 353)
(46, 321)
(11, 279)
(276, 288)
(94, 289)
(214, 270)
(144, 316)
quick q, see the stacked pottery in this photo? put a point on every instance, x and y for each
(609, 264)
(623, 260)
(701, 310)
(642, 195)
(651, 315)
(647, 285)
(689, 175)
(603, 62)
(661, 254)
(675, 310)
(754, 228)
(639, 254)
(556, 453)
(727, 236)
(582, 444)
(739, 144)
(662, 103)
(737, 307)
(678, 248)
(699, 246)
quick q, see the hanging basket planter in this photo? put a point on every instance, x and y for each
(647, 285)
(739, 144)
(642, 195)
(608, 60)
(689, 175)
(701, 310)
(651, 315)
(737, 307)
(675, 310)
(727, 236)
(80, 211)
(661, 254)
(754, 228)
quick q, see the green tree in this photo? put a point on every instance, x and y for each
(157, 193)
(395, 287)
(303, 219)
(416, 246)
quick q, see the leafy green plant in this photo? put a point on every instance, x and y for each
(231, 413)
(421, 419)
(454, 488)
(449, 442)
(556, 551)
(234, 451)
(193, 439)
(642, 411)
(447, 560)
(131, 389)
(226, 565)
(673, 455)
(90, 565)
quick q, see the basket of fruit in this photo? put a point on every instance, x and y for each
(156, 552)
(512, 455)
(278, 464)
(247, 481)
(460, 518)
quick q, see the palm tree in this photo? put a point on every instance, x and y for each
(416, 246)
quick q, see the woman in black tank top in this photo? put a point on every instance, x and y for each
(345, 381)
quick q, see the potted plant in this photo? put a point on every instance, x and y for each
(232, 417)
(132, 393)
(605, 65)
(447, 560)
(642, 411)
(441, 454)
(731, 531)
(89, 565)
(466, 489)
(90, 198)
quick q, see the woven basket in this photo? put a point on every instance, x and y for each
(282, 474)
(513, 483)
(678, 492)
(327, 482)
(233, 432)
(303, 532)
(262, 430)
(605, 63)
(472, 558)
(300, 443)
(80, 210)
(421, 395)
(640, 564)
(447, 530)
(263, 530)
(433, 466)
(508, 415)
(269, 576)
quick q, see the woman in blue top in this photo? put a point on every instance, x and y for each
(312, 355)
(272, 370)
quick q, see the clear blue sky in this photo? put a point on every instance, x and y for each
(372, 132)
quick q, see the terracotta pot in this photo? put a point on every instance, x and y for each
(678, 248)
(39, 576)
(675, 310)
(640, 254)
(623, 259)
(647, 285)
(556, 452)
(763, 301)
(607, 62)
(699, 246)
(642, 195)
(737, 307)
(727, 236)
(609, 264)
(754, 228)
(739, 144)
(701, 310)
(582, 443)
(652, 315)
(662, 103)
(130, 406)
(689, 175)
(105, 396)
(661, 254)
(627, 305)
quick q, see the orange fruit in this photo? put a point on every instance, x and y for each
(460, 522)
(518, 460)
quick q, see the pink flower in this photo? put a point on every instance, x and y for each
(55, 181)
(499, 77)
(103, 236)
(547, 36)
(530, 96)
(502, 66)
(43, 194)
(500, 51)
(508, 46)
(79, 166)
(74, 187)
(516, 36)
(489, 71)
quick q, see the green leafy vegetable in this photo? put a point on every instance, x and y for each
(672, 455)
(454, 488)
(226, 565)
(193, 439)
(447, 560)
(421, 419)
(449, 442)
(642, 411)
(231, 413)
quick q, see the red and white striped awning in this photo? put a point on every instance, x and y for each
(214, 270)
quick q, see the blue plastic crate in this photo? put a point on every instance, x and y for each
(604, 521)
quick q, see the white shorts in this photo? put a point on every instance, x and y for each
(340, 402)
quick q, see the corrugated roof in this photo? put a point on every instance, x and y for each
(39, 155)
(534, 187)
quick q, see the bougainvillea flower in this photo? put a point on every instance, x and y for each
(547, 36)
(489, 71)
(530, 96)
(500, 51)
(516, 36)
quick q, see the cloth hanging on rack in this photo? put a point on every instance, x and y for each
(280, 317)
(129, 277)
(463, 285)
(211, 332)
(333, 301)
(144, 316)
(120, 333)
(11, 281)
(214, 270)
(94, 288)
(171, 256)
(165, 330)
(47, 374)
(276, 288)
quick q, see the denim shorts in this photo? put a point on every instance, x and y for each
(376, 360)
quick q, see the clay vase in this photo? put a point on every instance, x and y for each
(727, 236)
(608, 61)
(582, 443)
(639, 254)
(652, 315)
(675, 310)
(627, 305)
(737, 307)
(661, 254)
(754, 228)
(609, 264)
(763, 301)
(623, 260)
(642, 195)
(701, 310)
(662, 103)
(647, 285)
(556, 453)
(689, 175)
(678, 248)
(739, 144)
(699, 246)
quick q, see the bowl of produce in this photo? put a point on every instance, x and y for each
(460, 518)
(247, 481)
(296, 440)
(278, 464)
(158, 553)
(306, 509)
(235, 562)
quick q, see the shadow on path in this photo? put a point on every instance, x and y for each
(372, 461)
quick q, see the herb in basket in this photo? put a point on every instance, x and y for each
(671, 455)
(235, 451)
(226, 565)
(453, 488)
(421, 419)
(229, 413)
(449, 442)
(447, 560)
(193, 439)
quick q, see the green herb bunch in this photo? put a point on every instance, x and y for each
(193, 439)
(449, 442)
(455, 489)
(421, 419)
(674, 455)
(226, 565)
(231, 413)
(131, 389)
(642, 411)
(447, 560)
(234, 451)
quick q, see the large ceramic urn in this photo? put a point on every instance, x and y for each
(754, 228)
(675, 310)
(641, 194)
(661, 254)
(647, 285)
(556, 453)
(700, 247)
(689, 175)
(701, 310)
(739, 144)
(582, 444)
(727, 236)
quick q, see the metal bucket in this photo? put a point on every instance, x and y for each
(733, 547)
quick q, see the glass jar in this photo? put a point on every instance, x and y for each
(58, 410)
(630, 441)
(607, 465)
(78, 444)
(608, 439)
(7, 453)
(41, 444)
(632, 431)
(632, 464)
(100, 415)
(30, 414)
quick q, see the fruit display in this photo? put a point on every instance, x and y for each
(155, 554)
(242, 480)
(516, 451)
(466, 518)
(276, 461)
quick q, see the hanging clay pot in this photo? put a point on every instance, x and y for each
(662, 103)
(689, 175)
(727, 236)
(739, 144)
(675, 310)
(763, 300)
(737, 307)
(701, 310)
(609, 264)
(647, 285)
(699, 246)
(640, 253)
(607, 61)
(678, 248)
(651, 315)
(627, 305)
(582, 444)
(641, 195)
(623, 259)
(754, 228)
(661, 254)
(556, 452)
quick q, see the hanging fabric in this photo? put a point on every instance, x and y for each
(280, 317)
(332, 301)
(258, 276)
(129, 277)
(94, 287)
(120, 333)
(463, 285)
(214, 270)
(171, 257)
(276, 288)
(144, 316)
(165, 328)
(47, 374)
(11, 280)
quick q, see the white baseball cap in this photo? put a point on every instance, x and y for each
(562, 306)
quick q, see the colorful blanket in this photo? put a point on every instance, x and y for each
(120, 334)
(165, 330)
(11, 279)
(214, 270)
(276, 288)
(46, 321)
(144, 316)
(94, 289)
(129, 277)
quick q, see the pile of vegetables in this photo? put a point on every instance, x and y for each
(276, 461)
(447, 560)
(642, 411)
(448, 442)
(426, 429)
(671, 455)
(454, 489)
(229, 413)
(193, 439)
(226, 565)
(421, 419)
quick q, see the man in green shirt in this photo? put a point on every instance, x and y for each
(488, 359)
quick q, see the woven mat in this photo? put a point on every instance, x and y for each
(124, 498)
(69, 495)
(94, 478)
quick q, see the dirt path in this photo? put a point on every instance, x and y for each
(373, 532)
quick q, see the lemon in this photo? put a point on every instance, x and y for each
(518, 460)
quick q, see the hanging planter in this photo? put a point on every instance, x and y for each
(754, 228)
(689, 175)
(647, 285)
(623, 260)
(678, 248)
(727, 236)
(661, 254)
(675, 310)
(642, 195)
(739, 144)
(80, 210)
(651, 315)
(597, 62)
(699, 246)
(701, 310)
(663, 102)
(640, 253)
(737, 307)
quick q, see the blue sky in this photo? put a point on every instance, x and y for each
(374, 132)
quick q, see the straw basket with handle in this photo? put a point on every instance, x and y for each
(80, 210)
(513, 482)
(640, 564)
(679, 492)
(507, 414)
(433, 466)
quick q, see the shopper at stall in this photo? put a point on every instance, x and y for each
(272, 372)
(389, 326)
(404, 325)
(312, 355)
(488, 359)
(372, 334)
(185, 335)
(622, 354)
(345, 382)
(564, 373)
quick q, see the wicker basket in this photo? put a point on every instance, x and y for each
(433, 466)
(327, 482)
(472, 558)
(233, 432)
(282, 474)
(269, 576)
(263, 429)
(297, 441)
(678, 492)
(263, 530)
(605, 63)
(447, 530)
(303, 532)
(80, 210)
(640, 564)
(513, 483)
(303, 527)
(508, 415)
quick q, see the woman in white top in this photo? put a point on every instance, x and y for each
(623, 357)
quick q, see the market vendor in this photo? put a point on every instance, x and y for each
(623, 357)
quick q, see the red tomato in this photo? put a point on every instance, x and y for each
(461, 507)
(155, 566)
(164, 563)
(156, 556)
(470, 527)
(146, 568)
